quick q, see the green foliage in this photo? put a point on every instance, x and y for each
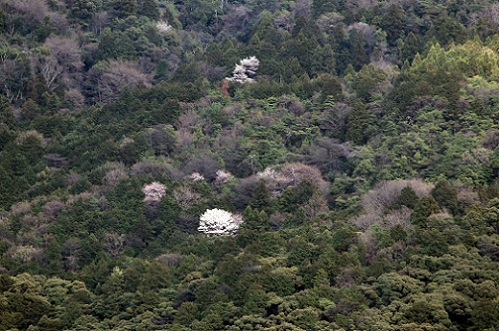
(412, 45)
(101, 98)
(407, 198)
(423, 209)
(367, 81)
(445, 29)
(83, 9)
(149, 9)
(115, 45)
(358, 124)
(255, 220)
(392, 23)
(292, 198)
(446, 196)
(261, 198)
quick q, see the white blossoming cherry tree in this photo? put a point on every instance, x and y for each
(245, 70)
(219, 222)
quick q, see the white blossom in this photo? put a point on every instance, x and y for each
(163, 27)
(245, 70)
(196, 176)
(268, 174)
(154, 191)
(223, 177)
(219, 222)
(274, 177)
(250, 64)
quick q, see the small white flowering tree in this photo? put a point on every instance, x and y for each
(218, 222)
(223, 177)
(163, 27)
(245, 70)
(154, 191)
(196, 176)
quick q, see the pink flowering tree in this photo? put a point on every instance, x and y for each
(154, 191)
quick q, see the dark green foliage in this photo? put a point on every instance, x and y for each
(44, 29)
(115, 45)
(260, 200)
(300, 252)
(99, 100)
(358, 124)
(484, 314)
(255, 220)
(23, 307)
(320, 7)
(161, 70)
(293, 198)
(357, 55)
(5, 282)
(445, 29)
(446, 196)
(407, 198)
(412, 45)
(392, 23)
(149, 9)
(423, 209)
(123, 8)
(367, 81)
(3, 17)
(187, 73)
(328, 86)
(83, 9)
(197, 13)
(397, 233)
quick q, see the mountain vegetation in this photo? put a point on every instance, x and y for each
(249, 165)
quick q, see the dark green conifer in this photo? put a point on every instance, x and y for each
(392, 23)
(445, 195)
(255, 220)
(425, 207)
(161, 70)
(358, 55)
(149, 9)
(412, 45)
(260, 200)
(83, 9)
(407, 198)
(398, 233)
(358, 124)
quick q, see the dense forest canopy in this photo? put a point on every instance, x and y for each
(249, 165)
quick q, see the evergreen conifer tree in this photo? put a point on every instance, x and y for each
(358, 124)
(445, 195)
(261, 198)
(425, 207)
(407, 198)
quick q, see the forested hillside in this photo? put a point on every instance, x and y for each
(249, 165)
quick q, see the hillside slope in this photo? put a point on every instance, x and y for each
(249, 165)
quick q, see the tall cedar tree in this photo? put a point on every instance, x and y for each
(358, 124)
(393, 23)
(425, 207)
(260, 199)
(446, 196)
